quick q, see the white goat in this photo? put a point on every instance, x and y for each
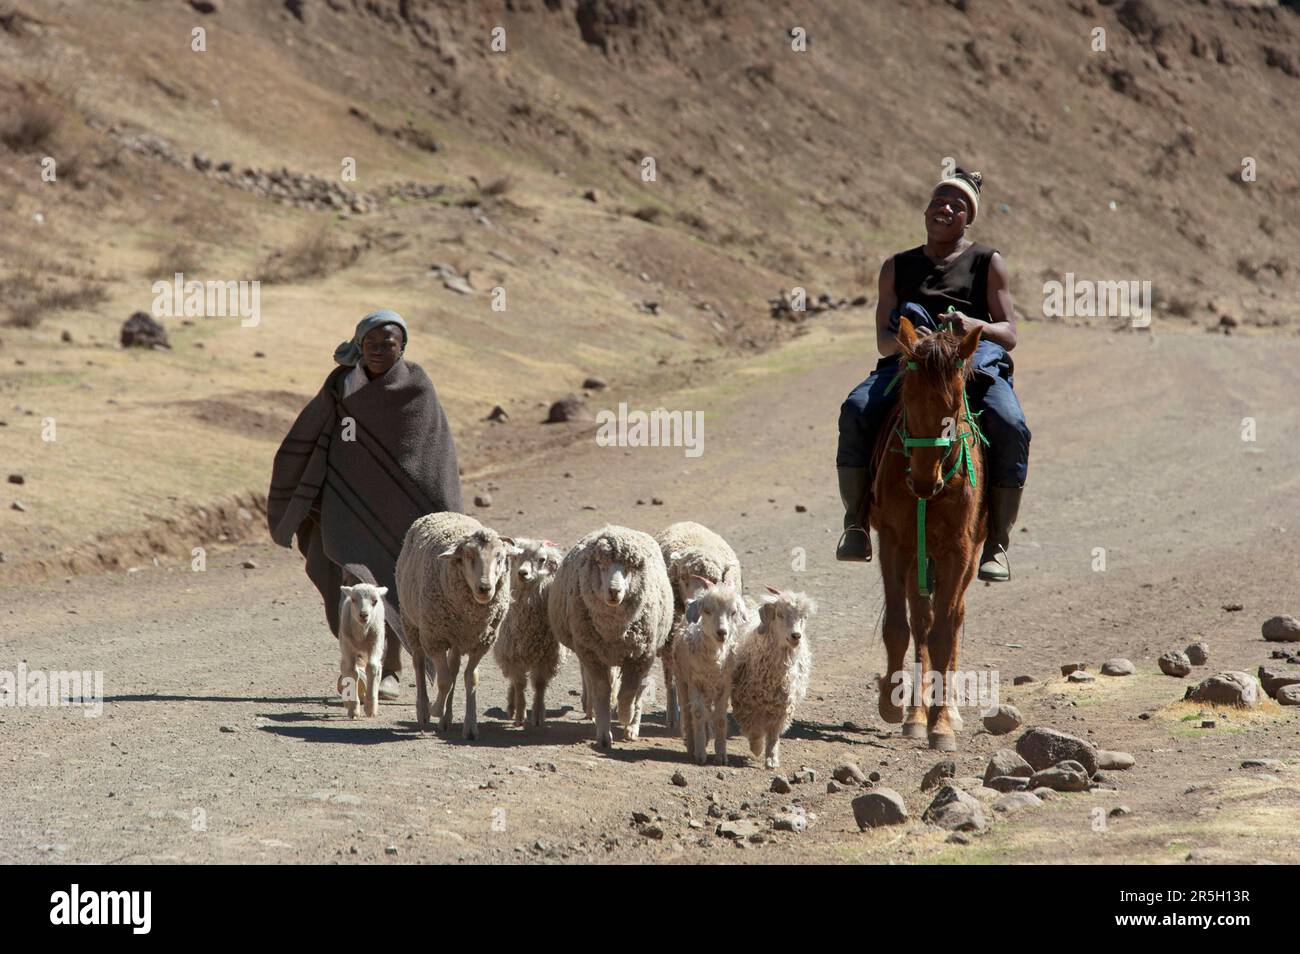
(702, 656)
(361, 645)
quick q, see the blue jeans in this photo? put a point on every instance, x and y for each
(864, 411)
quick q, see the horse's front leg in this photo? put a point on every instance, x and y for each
(945, 634)
(922, 617)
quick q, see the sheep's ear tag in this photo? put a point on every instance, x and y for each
(773, 590)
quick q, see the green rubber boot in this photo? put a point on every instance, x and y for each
(1004, 505)
(855, 543)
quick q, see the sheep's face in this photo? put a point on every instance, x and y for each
(720, 613)
(693, 571)
(363, 601)
(535, 560)
(784, 617)
(484, 560)
(614, 573)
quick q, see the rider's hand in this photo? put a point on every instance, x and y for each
(922, 331)
(962, 324)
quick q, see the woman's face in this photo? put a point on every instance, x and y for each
(946, 215)
(381, 347)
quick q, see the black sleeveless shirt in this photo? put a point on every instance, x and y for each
(962, 283)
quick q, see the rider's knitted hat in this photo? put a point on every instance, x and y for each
(969, 184)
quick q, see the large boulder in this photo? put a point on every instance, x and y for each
(1281, 629)
(1288, 696)
(939, 772)
(1175, 663)
(1117, 667)
(1227, 689)
(1006, 762)
(1042, 748)
(878, 807)
(1003, 719)
(1273, 678)
(570, 408)
(1065, 777)
(142, 330)
(956, 810)
(1198, 653)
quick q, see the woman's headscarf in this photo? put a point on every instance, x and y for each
(348, 353)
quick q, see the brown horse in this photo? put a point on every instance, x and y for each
(931, 453)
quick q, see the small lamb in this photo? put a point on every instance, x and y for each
(526, 644)
(769, 673)
(361, 645)
(702, 657)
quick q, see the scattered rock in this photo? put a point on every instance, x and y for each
(1073, 667)
(141, 330)
(1042, 748)
(1288, 696)
(570, 408)
(19, 506)
(1007, 762)
(1080, 675)
(790, 821)
(249, 565)
(1272, 678)
(390, 850)
(1198, 653)
(779, 785)
(848, 774)
(1273, 765)
(939, 773)
(1119, 811)
(1115, 761)
(880, 806)
(1023, 680)
(1118, 666)
(1227, 689)
(1281, 629)
(1015, 801)
(1060, 779)
(483, 500)
(679, 779)
(956, 810)
(651, 831)
(957, 838)
(594, 384)
(1003, 719)
(833, 787)
(16, 479)
(498, 414)
(1175, 663)
(739, 829)
(1007, 783)
(803, 776)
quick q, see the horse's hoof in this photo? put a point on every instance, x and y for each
(914, 730)
(943, 742)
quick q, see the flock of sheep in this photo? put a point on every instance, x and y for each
(619, 599)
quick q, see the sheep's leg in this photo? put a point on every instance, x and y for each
(693, 702)
(631, 686)
(373, 666)
(421, 687)
(688, 718)
(470, 727)
(539, 700)
(672, 710)
(773, 751)
(720, 730)
(348, 671)
(598, 686)
(755, 743)
(446, 685)
(588, 703)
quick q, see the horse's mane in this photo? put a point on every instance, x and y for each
(936, 355)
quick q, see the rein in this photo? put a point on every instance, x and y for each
(959, 449)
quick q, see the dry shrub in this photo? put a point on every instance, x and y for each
(178, 257)
(648, 213)
(313, 255)
(29, 299)
(33, 124)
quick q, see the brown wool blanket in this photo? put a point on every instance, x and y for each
(350, 502)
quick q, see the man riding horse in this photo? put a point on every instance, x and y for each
(949, 279)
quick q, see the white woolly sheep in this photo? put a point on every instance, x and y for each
(361, 645)
(769, 672)
(453, 585)
(702, 657)
(526, 644)
(612, 603)
(693, 554)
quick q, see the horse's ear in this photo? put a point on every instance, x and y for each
(906, 336)
(970, 342)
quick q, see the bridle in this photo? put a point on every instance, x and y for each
(958, 450)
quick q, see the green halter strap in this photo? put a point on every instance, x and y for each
(961, 444)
